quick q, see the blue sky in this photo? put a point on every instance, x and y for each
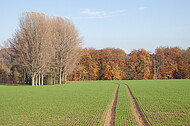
(126, 24)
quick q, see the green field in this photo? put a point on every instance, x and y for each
(77, 103)
(124, 112)
(164, 102)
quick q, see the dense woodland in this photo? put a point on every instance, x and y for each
(47, 50)
(115, 64)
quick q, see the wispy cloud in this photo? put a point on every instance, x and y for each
(102, 14)
(142, 8)
(94, 13)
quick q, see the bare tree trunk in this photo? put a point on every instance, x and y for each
(60, 71)
(42, 79)
(51, 80)
(39, 79)
(54, 80)
(13, 75)
(26, 77)
(33, 77)
(60, 76)
(36, 80)
(65, 77)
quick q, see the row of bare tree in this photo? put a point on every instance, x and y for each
(44, 47)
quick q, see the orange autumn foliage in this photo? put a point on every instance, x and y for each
(115, 64)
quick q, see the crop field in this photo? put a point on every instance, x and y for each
(124, 112)
(164, 102)
(77, 103)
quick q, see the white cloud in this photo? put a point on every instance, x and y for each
(142, 8)
(102, 14)
(94, 13)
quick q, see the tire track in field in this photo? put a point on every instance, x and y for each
(138, 113)
(110, 117)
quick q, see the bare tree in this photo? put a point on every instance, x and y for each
(67, 45)
(30, 43)
(42, 44)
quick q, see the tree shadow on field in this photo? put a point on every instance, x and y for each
(12, 84)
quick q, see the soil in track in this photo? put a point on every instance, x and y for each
(110, 118)
(138, 113)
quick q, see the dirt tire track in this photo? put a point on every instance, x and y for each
(110, 117)
(138, 113)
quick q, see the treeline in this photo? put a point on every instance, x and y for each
(115, 64)
(43, 50)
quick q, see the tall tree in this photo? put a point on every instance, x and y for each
(67, 45)
(31, 42)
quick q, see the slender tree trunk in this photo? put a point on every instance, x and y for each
(60, 71)
(51, 80)
(54, 80)
(39, 80)
(42, 79)
(26, 77)
(36, 80)
(65, 77)
(13, 75)
(60, 76)
(33, 77)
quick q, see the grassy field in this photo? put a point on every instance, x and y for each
(165, 102)
(77, 103)
(124, 112)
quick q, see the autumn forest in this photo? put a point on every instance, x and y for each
(115, 64)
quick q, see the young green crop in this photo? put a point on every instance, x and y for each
(77, 103)
(164, 102)
(124, 112)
